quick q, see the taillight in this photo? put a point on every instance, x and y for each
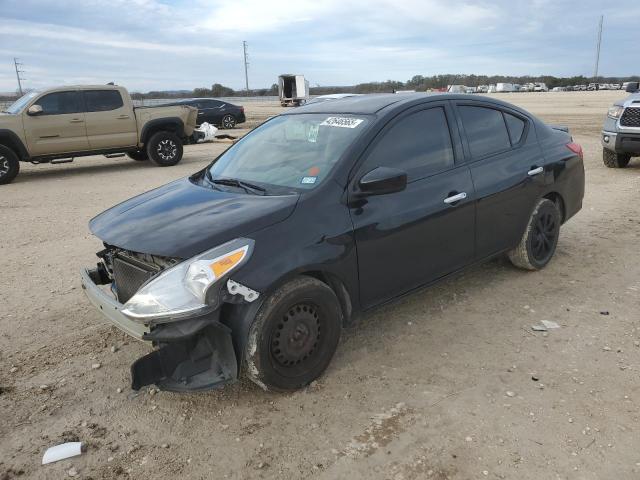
(242, 109)
(576, 148)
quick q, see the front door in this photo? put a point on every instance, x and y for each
(110, 121)
(60, 128)
(409, 238)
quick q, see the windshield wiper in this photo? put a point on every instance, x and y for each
(234, 182)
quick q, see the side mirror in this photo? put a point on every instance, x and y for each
(35, 110)
(633, 87)
(383, 180)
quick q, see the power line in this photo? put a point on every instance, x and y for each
(246, 65)
(595, 74)
(17, 65)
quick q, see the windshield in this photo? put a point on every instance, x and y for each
(294, 151)
(19, 104)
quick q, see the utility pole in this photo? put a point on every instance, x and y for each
(595, 73)
(246, 65)
(17, 64)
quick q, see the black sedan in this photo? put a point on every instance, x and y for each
(216, 112)
(257, 262)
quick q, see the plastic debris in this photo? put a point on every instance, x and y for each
(549, 324)
(62, 451)
(208, 131)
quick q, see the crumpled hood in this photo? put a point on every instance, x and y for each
(182, 219)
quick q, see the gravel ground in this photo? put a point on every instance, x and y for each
(449, 383)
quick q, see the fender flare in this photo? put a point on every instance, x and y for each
(9, 139)
(175, 124)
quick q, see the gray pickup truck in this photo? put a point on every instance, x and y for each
(621, 132)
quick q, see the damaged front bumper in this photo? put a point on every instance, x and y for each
(192, 354)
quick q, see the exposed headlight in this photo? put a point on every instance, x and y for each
(183, 290)
(615, 111)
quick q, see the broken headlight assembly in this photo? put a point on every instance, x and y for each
(187, 289)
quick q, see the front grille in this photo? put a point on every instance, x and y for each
(129, 277)
(630, 117)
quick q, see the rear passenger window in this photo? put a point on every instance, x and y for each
(419, 144)
(59, 103)
(485, 129)
(102, 100)
(516, 127)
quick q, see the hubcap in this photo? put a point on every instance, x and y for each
(4, 166)
(167, 149)
(296, 335)
(228, 122)
(543, 239)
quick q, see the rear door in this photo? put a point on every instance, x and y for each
(409, 238)
(110, 121)
(60, 128)
(508, 171)
(210, 111)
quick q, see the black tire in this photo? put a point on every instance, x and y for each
(138, 155)
(540, 238)
(294, 335)
(228, 122)
(615, 160)
(9, 165)
(164, 149)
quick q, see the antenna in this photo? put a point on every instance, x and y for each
(595, 73)
(17, 65)
(246, 65)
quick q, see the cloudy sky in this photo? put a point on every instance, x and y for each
(174, 44)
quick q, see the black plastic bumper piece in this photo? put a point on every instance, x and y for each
(202, 361)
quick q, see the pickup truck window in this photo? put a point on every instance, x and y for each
(59, 103)
(102, 100)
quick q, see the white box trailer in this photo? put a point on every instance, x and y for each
(293, 90)
(505, 87)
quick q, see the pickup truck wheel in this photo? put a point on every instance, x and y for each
(228, 121)
(615, 160)
(138, 155)
(165, 149)
(9, 165)
(294, 335)
(538, 244)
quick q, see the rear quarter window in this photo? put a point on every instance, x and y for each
(516, 127)
(102, 100)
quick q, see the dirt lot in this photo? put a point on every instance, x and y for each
(439, 385)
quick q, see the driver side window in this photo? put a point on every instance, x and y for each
(419, 144)
(59, 103)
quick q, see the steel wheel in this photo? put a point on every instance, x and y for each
(296, 337)
(228, 121)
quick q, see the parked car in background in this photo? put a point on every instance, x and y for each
(216, 112)
(58, 124)
(621, 132)
(540, 87)
(255, 263)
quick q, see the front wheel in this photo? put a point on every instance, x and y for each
(9, 165)
(538, 244)
(294, 335)
(164, 149)
(615, 160)
(228, 121)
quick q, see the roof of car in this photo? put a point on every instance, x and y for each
(374, 103)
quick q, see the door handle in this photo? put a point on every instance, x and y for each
(455, 198)
(123, 117)
(535, 171)
(76, 120)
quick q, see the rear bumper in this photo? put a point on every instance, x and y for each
(621, 142)
(192, 354)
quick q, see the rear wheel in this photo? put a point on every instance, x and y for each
(138, 155)
(228, 121)
(615, 160)
(164, 149)
(294, 336)
(9, 165)
(540, 239)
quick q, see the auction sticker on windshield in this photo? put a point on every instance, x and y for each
(344, 122)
